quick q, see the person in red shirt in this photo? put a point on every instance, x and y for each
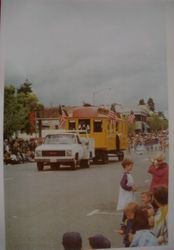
(159, 171)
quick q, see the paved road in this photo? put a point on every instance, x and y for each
(41, 206)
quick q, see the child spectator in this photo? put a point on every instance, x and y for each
(161, 216)
(14, 159)
(72, 241)
(146, 201)
(146, 204)
(142, 236)
(7, 157)
(139, 148)
(127, 186)
(99, 241)
(126, 226)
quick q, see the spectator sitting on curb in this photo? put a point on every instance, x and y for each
(99, 241)
(72, 241)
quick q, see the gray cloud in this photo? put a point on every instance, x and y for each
(72, 49)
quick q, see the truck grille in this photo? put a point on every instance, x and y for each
(53, 153)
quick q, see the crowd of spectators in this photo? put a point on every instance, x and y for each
(18, 151)
(145, 223)
(148, 141)
(73, 241)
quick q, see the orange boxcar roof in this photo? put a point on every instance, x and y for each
(87, 112)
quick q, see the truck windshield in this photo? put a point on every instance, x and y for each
(60, 139)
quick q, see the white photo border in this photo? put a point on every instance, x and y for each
(170, 80)
(2, 210)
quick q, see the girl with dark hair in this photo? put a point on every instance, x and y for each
(142, 235)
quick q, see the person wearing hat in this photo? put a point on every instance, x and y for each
(159, 171)
(99, 241)
(72, 241)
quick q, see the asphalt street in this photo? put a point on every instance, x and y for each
(41, 206)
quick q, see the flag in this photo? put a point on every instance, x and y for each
(131, 118)
(113, 116)
(62, 118)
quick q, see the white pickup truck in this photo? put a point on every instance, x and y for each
(65, 148)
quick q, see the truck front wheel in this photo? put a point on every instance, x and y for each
(85, 163)
(39, 166)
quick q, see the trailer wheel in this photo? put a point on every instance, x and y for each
(39, 166)
(85, 163)
(95, 160)
(104, 157)
(120, 156)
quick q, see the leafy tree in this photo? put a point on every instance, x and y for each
(164, 124)
(131, 129)
(157, 123)
(28, 100)
(14, 112)
(17, 108)
(25, 87)
(85, 104)
(30, 103)
(141, 102)
(151, 104)
(161, 114)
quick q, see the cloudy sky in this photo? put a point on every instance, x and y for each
(100, 51)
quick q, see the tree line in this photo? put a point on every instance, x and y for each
(18, 103)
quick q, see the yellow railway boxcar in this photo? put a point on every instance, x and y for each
(109, 132)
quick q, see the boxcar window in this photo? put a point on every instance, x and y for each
(97, 126)
(72, 125)
(84, 124)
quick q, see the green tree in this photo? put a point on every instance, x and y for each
(157, 123)
(17, 108)
(151, 104)
(131, 129)
(141, 102)
(30, 103)
(25, 88)
(14, 112)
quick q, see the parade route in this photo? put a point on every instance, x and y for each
(41, 206)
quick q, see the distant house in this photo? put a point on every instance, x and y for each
(141, 113)
(48, 119)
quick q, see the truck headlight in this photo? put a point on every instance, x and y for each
(38, 153)
(68, 152)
